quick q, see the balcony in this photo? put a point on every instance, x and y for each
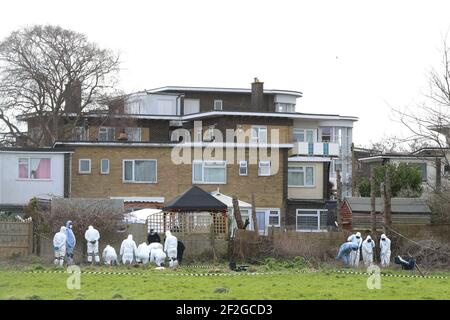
(327, 149)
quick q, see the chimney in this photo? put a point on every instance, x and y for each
(257, 95)
(73, 97)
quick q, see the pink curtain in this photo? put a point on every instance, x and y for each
(23, 170)
(43, 169)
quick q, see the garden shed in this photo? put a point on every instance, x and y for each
(405, 211)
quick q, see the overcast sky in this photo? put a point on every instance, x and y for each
(353, 58)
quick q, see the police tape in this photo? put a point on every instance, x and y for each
(225, 274)
(389, 275)
(212, 274)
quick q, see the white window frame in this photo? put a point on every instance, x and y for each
(218, 102)
(305, 135)
(243, 165)
(317, 215)
(101, 166)
(263, 164)
(133, 171)
(106, 131)
(79, 166)
(29, 168)
(80, 133)
(139, 133)
(299, 169)
(257, 138)
(205, 164)
(197, 101)
(332, 136)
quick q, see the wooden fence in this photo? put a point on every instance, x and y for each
(16, 238)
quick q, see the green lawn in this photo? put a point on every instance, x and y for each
(169, 284)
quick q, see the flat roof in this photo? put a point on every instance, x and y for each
(397, 156)
(36, 150)
(220, 89)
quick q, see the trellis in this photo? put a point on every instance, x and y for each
(190, 223)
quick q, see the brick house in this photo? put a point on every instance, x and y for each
(127, 151)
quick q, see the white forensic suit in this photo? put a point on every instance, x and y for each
(170, 247)
(354, 255)
(109, 255)
(143, 253)
(367, 251)
(128, 249)
(157, 256)
(59, 246)
(385, 251)
(92, 236)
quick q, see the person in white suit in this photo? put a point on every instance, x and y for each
(92, 236)
(143, 253)
(170, 247)
(385, 251)
(109, 255)
(367, 251)
(355, 255)
(59, 246)
(128, 250)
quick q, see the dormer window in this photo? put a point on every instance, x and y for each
(218, 105)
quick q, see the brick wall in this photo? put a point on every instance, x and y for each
(172, 179)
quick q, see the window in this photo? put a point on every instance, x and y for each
(264, 168)
(140, 171)
(326, 134)
(84, 166)
(304, 135)
(337, 166)
(209, 172)
(104, 166)
(79, 134)
(274, 218)
(446, 170)
(311, 220)
(300, 176)
(243, 169)
(191, 106)
(423, 170)
(35, 168)
(259, 134)
(218, 104)
(133, 134)
(106, 134)
(285, 107)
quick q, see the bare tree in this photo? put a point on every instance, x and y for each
(50, 76)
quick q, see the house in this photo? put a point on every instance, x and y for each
(430, 161)
(404, 211)
(26, 173)
(153, 145)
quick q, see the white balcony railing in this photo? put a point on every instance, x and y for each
(328, 149)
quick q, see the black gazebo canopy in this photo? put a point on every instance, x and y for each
(195, 199)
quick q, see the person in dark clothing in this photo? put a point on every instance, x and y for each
(180, 251)
(153, 237)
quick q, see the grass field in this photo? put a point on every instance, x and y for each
(170, 284)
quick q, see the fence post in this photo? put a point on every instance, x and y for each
(30, 237)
